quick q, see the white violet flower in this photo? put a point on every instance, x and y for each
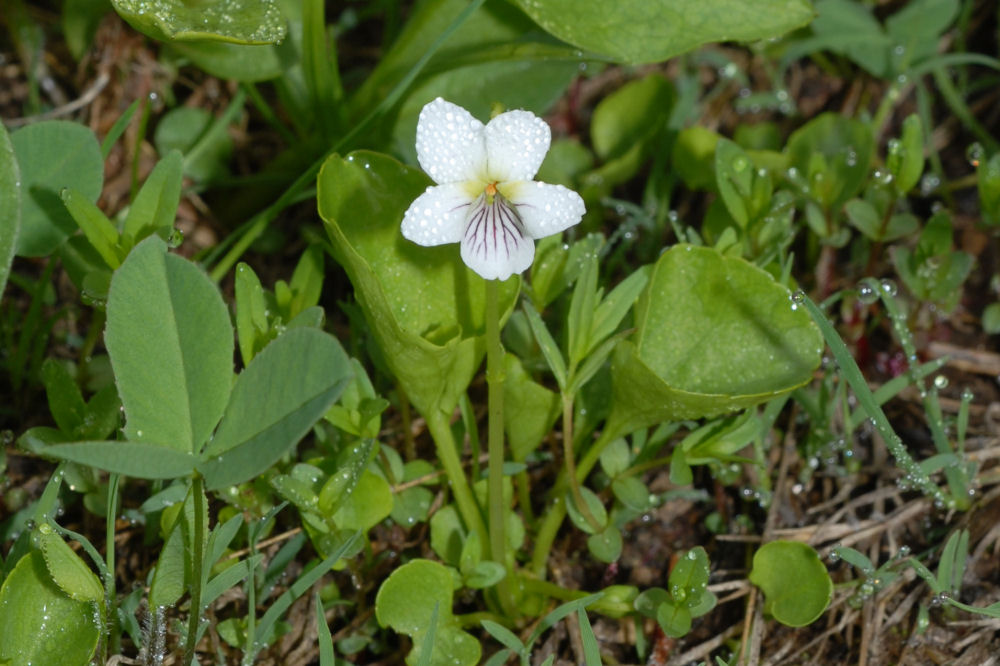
(485, 197)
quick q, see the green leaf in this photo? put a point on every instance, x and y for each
(694, 157)
(80, 19)
(795, 583)
(41, 625)
(991, 319)
(66, 568)
(10, 202)
(407, 601)
(674, 619)
(171, 347)
(95, 225)
(550, 350)
(144, 460)
(53, 155)
(641, 31)
(529, 411)
(595, 506)
(835, 153)
(185, 129)
(367, 505)
(848, 28)
(906, 155)
(734, 174)
(916, 28)
(988, 176)
(252, 326)
(65, 401)
(286, 388)
(155, 206)
(606, 546)
(236, 21)
(715, 334)
(425, 307)
(631, 115)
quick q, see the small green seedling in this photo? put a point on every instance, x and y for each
(796, 585)
(688, 597)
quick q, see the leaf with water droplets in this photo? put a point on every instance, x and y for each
(39, 624)
(411, 599)
(715, 334)
(235, 21)
(638, 31)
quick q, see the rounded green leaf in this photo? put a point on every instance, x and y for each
(714, 334)
(639, 31)
(171, 347)
(237, 21)
(10, 205)
(425, 307)
(796, 585)
(408, 600)
(52, 156)
(39, 624)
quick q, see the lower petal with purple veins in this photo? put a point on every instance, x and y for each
(495, 244)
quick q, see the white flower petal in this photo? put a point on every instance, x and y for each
(516, 143)
(545, 209)
(494, 244)
(450, 143)
(438, 215)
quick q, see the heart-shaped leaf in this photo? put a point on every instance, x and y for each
(39, 623)
(714, 334)
(638, 31)
(412, 597)
(796, 585)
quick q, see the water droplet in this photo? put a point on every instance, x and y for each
(888, 287)
(974, 153)
(867, 291)
(739, 163)
(940, 382)
(967, 394)
(175, 238)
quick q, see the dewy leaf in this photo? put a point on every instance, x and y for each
(144, 460)
(424, 306)
(715, 334)
(10, 205)
(641, 31)
(53, 155)
(796, 586)
(41, 625)
(171, 347)
(283, 392)
(155, 206)
(406, 602)
(66, 568)
(236, 21)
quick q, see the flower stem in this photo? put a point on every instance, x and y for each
(495, 376)
(569, 460)
(557, 510)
